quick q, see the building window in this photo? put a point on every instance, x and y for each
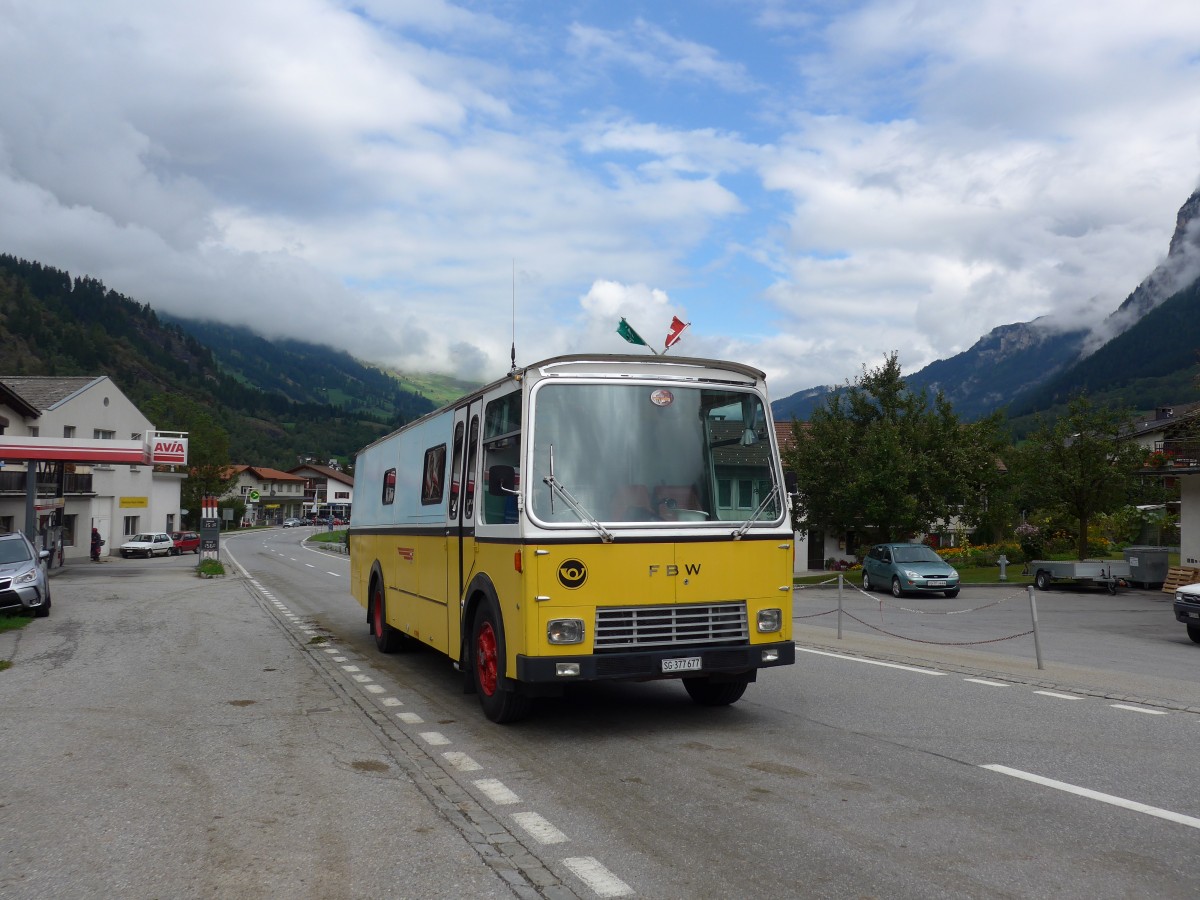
(102, 435)
(68, 431)
(33, 431)
(131, 525)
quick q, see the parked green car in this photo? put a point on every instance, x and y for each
(908, 568)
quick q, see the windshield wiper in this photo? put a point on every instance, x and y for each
(572, 504)
(762, 507)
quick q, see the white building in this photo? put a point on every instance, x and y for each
(96, 461)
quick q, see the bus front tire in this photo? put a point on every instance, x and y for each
(707, 692)
(487, 667)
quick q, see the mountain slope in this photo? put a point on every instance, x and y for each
(304, 372)
(51, 324)
(1009, 366)
(1153, 363)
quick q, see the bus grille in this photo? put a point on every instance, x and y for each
(627, 627)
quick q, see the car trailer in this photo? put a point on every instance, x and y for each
(1106, 572)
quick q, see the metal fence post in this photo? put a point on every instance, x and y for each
(1037, 642)
(841, 580)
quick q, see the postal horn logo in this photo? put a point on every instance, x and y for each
(572, 573)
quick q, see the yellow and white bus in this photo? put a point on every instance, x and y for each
(586, 518)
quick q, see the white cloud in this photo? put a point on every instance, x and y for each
(813, 187)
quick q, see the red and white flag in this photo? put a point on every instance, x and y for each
(676, 330)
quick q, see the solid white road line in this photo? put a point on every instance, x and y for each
(1190, 821)
(872, 662)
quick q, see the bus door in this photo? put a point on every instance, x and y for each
(460, 513)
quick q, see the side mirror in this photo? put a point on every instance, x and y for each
(502, 480)
(789, 482)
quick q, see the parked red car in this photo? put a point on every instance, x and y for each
(185, 541)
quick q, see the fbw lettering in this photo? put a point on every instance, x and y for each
(672, 570)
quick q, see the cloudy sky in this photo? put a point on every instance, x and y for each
(810, 184)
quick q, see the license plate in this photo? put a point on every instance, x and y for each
(937, 583)
(685, 664)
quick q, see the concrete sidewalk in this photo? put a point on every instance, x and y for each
(166, 735)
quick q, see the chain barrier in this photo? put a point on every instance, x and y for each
(940, 643)
(841, 610)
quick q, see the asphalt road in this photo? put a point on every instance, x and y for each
(242, 737)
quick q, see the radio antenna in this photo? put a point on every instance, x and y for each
(514, 317)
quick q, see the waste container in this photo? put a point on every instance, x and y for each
(1147, 565)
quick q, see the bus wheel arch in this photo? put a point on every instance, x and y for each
(486, 658)
(387, 638)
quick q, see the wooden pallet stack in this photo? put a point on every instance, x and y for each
(1178, 576)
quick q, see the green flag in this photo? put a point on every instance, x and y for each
(626, 331)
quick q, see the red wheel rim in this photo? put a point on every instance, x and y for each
(377, 613)
(485, 659)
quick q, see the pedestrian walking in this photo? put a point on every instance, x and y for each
(97, 543)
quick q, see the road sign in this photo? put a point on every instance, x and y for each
(254, 496)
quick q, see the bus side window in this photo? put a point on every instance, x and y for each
(389, 487)
(472, 454)
(501, 452)
(456, 471)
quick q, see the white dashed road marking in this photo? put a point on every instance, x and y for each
(589, 870)
(495, 791)
(1190, 821)
(461, 761)
(598, 878)
(1141, 709)
(987, 682)
(1058, 695)
(539, 829)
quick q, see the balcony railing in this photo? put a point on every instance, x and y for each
(14, 483)
(1177, 453)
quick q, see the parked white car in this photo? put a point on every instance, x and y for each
(148, 544)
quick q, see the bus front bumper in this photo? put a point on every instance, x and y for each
(732, 662)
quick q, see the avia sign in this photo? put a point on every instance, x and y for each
(168, 449)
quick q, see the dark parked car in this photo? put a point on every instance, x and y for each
(908, 568)
(185, 542)
(24, 586)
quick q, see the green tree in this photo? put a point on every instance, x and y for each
(208, 447)
(889, 463)
(1079, 466)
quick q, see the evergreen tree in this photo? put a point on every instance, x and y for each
(889, 463)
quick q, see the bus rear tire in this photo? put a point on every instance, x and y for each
(387, 638)
(707, 692)
(487, 669)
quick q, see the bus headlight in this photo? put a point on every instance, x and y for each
(565, 631)
(769, 620)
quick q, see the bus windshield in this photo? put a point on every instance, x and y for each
(649, 454)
